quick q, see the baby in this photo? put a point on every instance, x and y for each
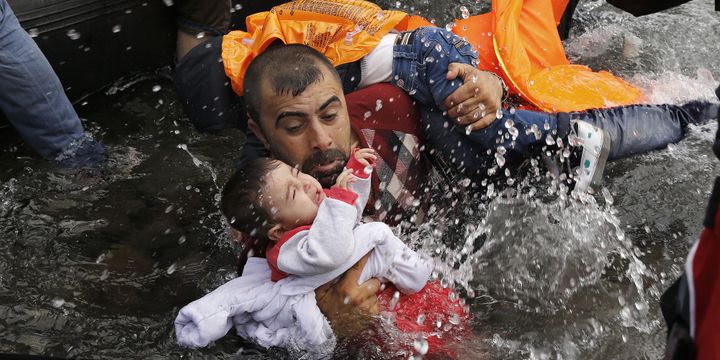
(313, 236)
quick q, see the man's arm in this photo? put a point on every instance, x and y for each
(347, 305)
(474, 103)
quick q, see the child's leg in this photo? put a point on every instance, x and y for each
(420, 63)
(637, 129)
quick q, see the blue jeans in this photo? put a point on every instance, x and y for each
(420, 65)
(33, 100)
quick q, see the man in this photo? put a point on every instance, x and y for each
(298, 111)
(33, 100)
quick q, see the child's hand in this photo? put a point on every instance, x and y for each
(366, 156)
(345, 178)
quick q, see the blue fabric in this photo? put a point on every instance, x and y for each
(420, 67)
(33, 100)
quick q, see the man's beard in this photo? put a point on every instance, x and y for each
(326, 178)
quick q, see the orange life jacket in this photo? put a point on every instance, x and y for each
(344, 31)
(517, 40)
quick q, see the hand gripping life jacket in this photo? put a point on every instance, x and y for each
(517, 40)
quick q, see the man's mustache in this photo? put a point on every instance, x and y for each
(322, 157)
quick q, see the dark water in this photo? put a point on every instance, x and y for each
(97, 264)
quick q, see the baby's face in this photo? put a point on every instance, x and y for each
(291, 197)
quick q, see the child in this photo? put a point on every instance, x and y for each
(313, 236)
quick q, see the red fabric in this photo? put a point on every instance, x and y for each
(274, 251)
(706, 281)
(341, 194)
(358, 169)
(387, 108)
(434, 302)
(384, 118)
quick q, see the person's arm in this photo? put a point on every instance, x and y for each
(474, 103)
(348, 305)
(395, 262)
(361, 164)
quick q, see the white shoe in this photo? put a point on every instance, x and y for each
(595, 148)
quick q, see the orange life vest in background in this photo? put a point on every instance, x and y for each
(517, 40)
(344, 31)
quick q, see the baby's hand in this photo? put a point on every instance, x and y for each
(366, 156)
(345, 178)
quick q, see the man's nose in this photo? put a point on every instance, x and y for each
(320, 138)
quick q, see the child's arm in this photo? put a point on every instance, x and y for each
(361, 163)
(394, 261)
(323, 246)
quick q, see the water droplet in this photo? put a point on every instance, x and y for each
(546, 126)
(105, 274)
(367, 114)
(421, 345)
(468, 130)
(501, 150)
(181, 240)
(34, 32)
(171, 269)
(449, 26)
(73, 34)
(57, 303)
(398, 4)
(420, 319)
(200, 35)
(157, 88)
(438, 48)
(430, 59)
(380, 15)
(116, 29)
(499, 114)
(238, 7)
(464, 12)
(100, 258)
(377, 205)
(368, 170)
(378, 104)
(500, 161)
(168, 2)
(549, 140)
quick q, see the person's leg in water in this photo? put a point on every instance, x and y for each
(33, 100)
(420, 65)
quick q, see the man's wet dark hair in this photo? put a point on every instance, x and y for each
(288, 69)
(240, 202)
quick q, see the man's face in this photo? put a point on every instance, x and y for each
(311, 130)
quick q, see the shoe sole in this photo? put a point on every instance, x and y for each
(597, 179)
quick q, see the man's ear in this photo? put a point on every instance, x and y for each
(255, 128)
(276, 232)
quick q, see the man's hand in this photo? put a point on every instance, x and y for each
(475, 103)
(346, 304)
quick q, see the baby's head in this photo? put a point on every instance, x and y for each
(267, 197)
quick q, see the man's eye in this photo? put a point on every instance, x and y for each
(329, 117)
(293, 128)
(294, 191)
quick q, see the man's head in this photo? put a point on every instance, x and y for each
(297, 108)
(267, 197)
